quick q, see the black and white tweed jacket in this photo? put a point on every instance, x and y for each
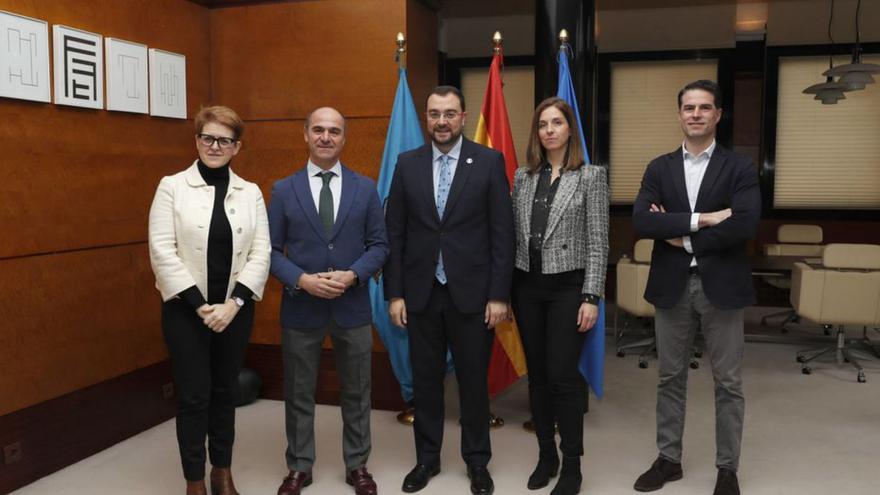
(577, 229)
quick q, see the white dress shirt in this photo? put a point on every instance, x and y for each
(694, 170)
(453, 155)
(316, 183)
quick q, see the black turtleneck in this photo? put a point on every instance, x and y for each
(219, 245)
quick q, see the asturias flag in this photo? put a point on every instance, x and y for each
(592, 360)
(404, 134)
(508, 362)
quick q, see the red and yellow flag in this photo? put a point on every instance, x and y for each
(508, 362)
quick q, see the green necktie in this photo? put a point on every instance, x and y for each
(325, 203)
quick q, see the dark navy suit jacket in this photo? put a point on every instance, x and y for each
(300, 245)
(731, 181)
(475, 233)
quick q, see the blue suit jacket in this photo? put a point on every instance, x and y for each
(300, 245)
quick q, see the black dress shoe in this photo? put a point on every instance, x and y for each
(481, 480)
(727, 483)
(419, 477)
(661, 472)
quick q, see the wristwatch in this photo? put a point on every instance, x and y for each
(238, 301)
(591, 299)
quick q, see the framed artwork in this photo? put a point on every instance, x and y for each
(24, 58)
(79, 67)
(167, 84)
(127, 76)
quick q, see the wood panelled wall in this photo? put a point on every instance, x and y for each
(77, 304)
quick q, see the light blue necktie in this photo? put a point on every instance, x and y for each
(444, 181)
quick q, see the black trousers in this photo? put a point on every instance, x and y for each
(546, 309)
(206, 367)
(431, 332)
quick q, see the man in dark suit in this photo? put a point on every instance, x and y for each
(328, 239)
(450, 226)
(701, 204)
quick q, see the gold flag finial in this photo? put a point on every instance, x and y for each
(563, 36)
(497, 41)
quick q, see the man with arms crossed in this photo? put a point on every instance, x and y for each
(328, 239)
(450, 226)
(701, 204)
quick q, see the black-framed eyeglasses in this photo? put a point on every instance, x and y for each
(208, 140)
(448, 115)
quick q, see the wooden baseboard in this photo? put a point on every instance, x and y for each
(266, 361)
(54, 434)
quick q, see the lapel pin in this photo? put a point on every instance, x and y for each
(469, 161)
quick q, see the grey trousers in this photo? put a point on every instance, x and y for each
(302, 355)
(676, 328)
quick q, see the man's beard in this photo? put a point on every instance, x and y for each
(453, 137)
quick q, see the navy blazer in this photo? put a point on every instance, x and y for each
(731, 181)
(300, 245)
(475, 233)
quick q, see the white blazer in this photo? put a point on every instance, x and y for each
(180, 218)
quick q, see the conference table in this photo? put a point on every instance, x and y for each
(778, 266)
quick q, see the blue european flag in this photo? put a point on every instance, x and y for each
(404, 134)
(592, 361)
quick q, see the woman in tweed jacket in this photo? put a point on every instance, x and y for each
(560, 210)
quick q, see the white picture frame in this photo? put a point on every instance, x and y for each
(24, 58)
(167, 84)
(127, 76)
(79, 67)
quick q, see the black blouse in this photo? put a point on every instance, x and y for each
(545, 191)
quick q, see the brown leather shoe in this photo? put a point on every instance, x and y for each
(294, 483)
(196, 488)
(362, 481)
(221, 482)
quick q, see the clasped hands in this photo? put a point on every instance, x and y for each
(706, 220)
(218, 316)
(327, 285)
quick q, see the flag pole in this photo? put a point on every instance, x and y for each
(408, 415)
(496, 421)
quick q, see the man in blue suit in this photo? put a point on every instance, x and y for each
(328, 239)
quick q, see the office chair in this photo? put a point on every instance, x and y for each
(844, 291)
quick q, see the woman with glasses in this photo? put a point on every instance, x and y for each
(560, 208)
(209, 249)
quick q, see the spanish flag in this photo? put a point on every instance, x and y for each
(508, 362)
